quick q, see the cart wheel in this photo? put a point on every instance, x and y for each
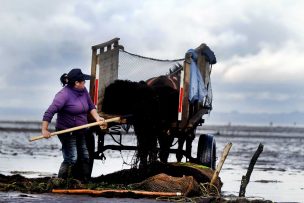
(90, 140)
(206, 150)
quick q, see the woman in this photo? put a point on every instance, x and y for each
(72, 105)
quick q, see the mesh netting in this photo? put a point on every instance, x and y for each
(187, 185)
(135, 67)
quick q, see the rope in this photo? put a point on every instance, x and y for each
(209, 190)
(153, 59)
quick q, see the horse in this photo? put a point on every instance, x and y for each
(153, 105)
(167, 89)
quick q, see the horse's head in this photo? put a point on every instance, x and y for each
(167, 89)
(175, 71)
(170, 80)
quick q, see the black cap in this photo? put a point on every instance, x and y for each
(76, 75)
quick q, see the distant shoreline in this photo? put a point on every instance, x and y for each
(219, 130)
(22, 126)
(215, 124)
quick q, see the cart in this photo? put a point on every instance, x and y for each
(107, 66)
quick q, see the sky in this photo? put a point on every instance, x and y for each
(258, 44)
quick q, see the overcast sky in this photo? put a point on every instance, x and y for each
(259, 47)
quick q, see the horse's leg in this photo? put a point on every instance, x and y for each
(142, 149)
(165, 142)
(142, 155)
(152, 150)
(181, 141)
(189, 139)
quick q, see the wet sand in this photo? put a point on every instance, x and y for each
(278, 174)
(21, 197)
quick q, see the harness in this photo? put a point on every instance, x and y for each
(171, 79)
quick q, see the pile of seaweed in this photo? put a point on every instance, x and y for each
(128, 179)
(123, 179)
(200, 173)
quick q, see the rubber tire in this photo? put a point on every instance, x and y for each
(90, 140)
(206, 151)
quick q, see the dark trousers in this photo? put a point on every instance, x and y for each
(74, 149)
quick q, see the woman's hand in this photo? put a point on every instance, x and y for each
(44, 129)
(46, 133)
(104, 125)
(96, 116)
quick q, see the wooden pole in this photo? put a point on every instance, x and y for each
(117, 192)
(221, 163)
(246, 178)
(77, 128)
(93, 72)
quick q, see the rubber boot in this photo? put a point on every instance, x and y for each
(86, 172)
(65, 171)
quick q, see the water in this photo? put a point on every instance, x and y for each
(278, 174)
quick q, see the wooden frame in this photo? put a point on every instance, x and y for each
(192, 113)
(104, 66)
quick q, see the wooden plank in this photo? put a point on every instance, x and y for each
(113, 192)
(93, 72)
(108, 68)
(185, 111)
(105, 44)
(196, 117)
(203, 65)
(221, 163)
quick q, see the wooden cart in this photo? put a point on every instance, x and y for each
(105, 69)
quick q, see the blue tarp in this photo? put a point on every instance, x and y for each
(197, 90)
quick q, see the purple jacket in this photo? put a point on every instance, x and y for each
(72, 106)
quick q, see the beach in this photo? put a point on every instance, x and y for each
(277, 176)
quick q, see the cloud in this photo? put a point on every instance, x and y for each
(269, 65)
(258, 45)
